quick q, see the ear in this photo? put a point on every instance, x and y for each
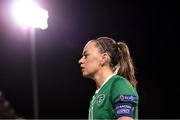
(104, 59)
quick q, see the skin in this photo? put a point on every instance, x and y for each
(95, 65)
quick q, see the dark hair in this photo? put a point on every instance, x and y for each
(120, 58)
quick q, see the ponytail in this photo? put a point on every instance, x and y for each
(125, 65)
(120, 59)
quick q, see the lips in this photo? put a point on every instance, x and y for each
(82, 68)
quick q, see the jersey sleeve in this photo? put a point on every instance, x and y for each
(124, 98)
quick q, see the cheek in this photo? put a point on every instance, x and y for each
(93, 64)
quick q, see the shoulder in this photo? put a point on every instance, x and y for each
(120, 82)
(122, 87)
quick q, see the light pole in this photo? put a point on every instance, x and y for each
(27, 13)
(34, 73)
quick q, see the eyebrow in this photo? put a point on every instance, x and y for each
(84, 52)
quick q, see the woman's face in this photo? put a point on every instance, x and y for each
(91, 59)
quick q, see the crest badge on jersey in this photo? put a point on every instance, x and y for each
(100, 99)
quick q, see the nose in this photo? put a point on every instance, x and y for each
(81, 60)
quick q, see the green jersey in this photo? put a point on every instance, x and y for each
(116, 98)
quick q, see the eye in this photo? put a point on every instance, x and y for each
(85, 55)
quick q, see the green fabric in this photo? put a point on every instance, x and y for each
(101, 105)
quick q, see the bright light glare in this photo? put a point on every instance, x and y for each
(29, 14)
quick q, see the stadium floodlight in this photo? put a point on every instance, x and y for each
(27, 13)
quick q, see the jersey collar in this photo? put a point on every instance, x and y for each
(104, 82)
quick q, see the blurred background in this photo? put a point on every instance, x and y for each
(148, 27)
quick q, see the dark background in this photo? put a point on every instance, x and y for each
(148, 27)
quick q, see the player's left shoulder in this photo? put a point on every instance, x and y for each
(120, 80)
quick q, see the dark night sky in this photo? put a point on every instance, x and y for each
(148, 27)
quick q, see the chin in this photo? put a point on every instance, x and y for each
(86, 75)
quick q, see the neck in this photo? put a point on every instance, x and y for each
(101, 76)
